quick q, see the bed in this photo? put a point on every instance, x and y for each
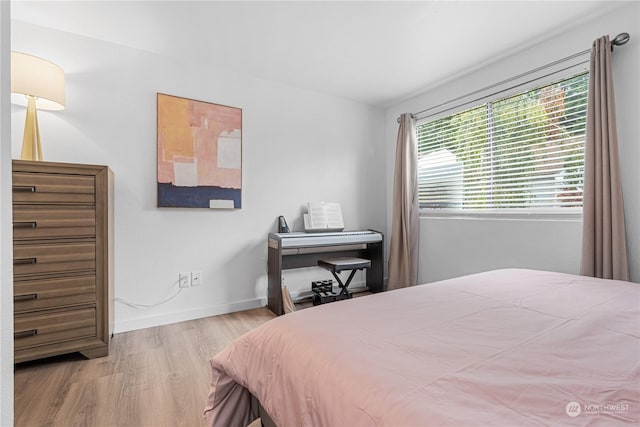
(503, 348)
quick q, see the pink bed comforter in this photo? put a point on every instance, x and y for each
(502, 348)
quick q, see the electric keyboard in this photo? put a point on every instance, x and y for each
(306, 240)
(298, 250)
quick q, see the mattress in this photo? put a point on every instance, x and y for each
(506, 347)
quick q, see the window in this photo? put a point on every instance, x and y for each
(524, 151)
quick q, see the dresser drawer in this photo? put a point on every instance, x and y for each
(44, 188)
(33, 295)
(52, 222)
(47, 328)
(53, 258)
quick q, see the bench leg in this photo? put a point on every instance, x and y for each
(344, 291)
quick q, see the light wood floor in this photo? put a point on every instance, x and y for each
(152, 377)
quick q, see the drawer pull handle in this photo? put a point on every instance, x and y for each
(25, 188)
(20, 261)
(25, 334)
(30, 224)
(28, 297)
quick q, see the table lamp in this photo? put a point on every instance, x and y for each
(42, 83)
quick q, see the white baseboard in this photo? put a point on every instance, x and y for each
(182, 316)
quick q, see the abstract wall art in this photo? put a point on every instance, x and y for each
(199, 154)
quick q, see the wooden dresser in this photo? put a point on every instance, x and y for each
(62, 259)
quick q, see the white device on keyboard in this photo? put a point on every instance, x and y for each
(310, 240)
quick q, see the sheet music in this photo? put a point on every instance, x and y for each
(324, 216)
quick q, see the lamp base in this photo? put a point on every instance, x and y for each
(31, 147)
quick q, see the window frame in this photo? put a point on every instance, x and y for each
(510, 88)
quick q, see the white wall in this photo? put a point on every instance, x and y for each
(298, 146)
(451, 247)
(6, 230)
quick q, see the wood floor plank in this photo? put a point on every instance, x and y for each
(152, 377)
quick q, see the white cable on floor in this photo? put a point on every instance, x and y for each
(137, 305)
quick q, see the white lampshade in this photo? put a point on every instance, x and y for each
(39, 78)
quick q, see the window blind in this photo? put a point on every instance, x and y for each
(524, 151)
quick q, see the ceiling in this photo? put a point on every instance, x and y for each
(375, 52)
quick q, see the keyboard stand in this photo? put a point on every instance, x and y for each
(308, 253)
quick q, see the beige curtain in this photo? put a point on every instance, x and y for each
(604, 251)
(403, 259)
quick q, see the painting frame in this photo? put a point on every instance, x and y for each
(199, 154)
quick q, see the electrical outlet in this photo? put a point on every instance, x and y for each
(184, 279)
(196, 278)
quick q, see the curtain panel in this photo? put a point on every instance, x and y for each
(405, 233)
(604, 252)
